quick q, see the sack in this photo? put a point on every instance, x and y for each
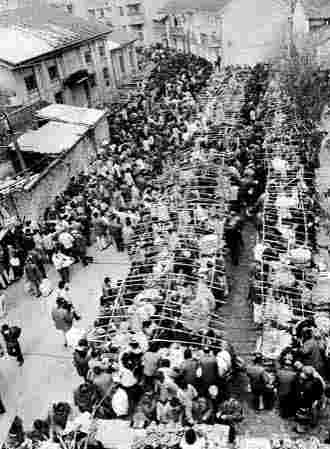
(15, 262)
(46, 287)
(119, 402)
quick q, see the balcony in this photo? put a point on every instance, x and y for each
(135, 18)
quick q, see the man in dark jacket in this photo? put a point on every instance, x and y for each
(310, 352)
(286, 378)
(11, 336)
(81, 357)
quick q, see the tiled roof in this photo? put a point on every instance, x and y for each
(174, 6)
(315, 9)
(30, 32)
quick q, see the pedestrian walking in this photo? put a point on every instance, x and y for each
(62, 263)
(33, 276)
(11, 336)
(63, 315)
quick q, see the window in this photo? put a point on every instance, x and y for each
(59, 98)
(88, 57)
(121, 63)
(69, 8)
(31, 82)
(121, 11)
(131, 10)
(53, 72)
(106, 76)
(101, 12)
(131, 58)
(106, 73)
(102, 50)
(92, 80)
(141, 35)
(91, 12)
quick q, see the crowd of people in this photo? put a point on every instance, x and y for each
(174, 188)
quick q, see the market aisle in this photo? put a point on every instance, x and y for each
(48, 374)
(242, 333)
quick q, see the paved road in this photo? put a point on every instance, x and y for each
(48, 374)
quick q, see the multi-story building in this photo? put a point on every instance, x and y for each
(194, 26)
(138, 16)
(310, 15)
(46, 54)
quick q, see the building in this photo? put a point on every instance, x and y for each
(254, 30)
(194, 26)
(123, 56)
(310, 15)
(64, 145)
(46, 54)
(101, 10)
(138, 16)
(95, 119)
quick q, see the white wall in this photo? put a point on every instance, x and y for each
(300, 22)
(252, 30)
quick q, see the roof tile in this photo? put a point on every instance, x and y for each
(30, 32)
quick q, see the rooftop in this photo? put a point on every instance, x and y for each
(31, 32)
(122, 38)
(71, 114)
(316, 9)
(64, 136)
(174, 6)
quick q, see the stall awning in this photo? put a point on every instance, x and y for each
(53, 138)
(72, 114)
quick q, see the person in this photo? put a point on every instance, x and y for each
(103, 379)
(57, 418)
(2, 407)
(81, 356)
(3, 309)
(190, 440)
(101, 230)
(259, 380)
(285, 382)
(186, 393)
(309, 394)
(217, 64)
(230, 413)
(33, 276)
(62, 263)
(233, 237)
(63, 315)
(310, 352)
(11, 336)
(202, 410)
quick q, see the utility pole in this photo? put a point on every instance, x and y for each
(4, 116)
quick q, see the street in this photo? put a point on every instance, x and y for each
(48, 374)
